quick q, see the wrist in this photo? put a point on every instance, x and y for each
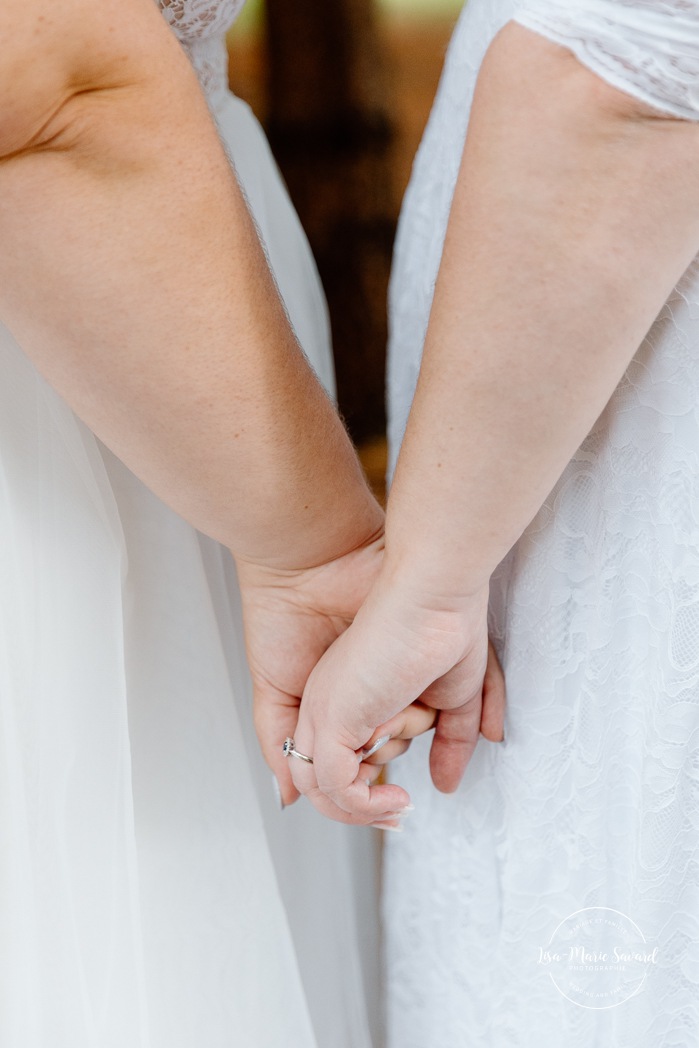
(428, 579)
(420, 602)
(314, 544)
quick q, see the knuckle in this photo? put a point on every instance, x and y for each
(458, 729)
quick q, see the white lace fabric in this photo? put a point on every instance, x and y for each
(648, 48)
(201, 27)
(593, 800)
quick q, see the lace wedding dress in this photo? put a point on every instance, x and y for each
(592, 803)
(150, 895)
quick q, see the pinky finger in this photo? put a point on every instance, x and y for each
(494, 696)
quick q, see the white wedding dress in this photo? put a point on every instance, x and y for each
(150, 894)
(593, 799)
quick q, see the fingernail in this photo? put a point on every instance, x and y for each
(395, 819)
(278, 793)
(376, 747)
(402, 814)
(387, 826)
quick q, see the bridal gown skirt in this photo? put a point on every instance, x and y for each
(150, 894)
(592, 802)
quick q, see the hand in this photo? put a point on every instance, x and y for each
(291, 618)
(399, 649)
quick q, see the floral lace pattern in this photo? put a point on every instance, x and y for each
(201, 27)
(593, 800)
(649, 48)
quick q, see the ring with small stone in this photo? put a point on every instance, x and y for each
(290, 750)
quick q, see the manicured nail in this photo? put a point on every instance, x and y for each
(387, 826)
(376, 747)
(402, 814)
(278, 793)
(396, 818)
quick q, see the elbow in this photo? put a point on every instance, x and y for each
(53, 58)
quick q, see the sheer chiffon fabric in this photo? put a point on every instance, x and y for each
(593, 799)
(150, 893)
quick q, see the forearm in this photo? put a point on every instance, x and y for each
(131, 273)
(575, 213)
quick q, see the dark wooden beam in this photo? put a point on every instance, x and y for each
(329, 124)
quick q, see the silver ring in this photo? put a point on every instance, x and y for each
(290, 750)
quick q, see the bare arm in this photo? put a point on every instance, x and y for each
(575, 213)
(131, 273)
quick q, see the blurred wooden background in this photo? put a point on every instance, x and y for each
(344, 89)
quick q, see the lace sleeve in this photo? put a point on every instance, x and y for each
(648, 48)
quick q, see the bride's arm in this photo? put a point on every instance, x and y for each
(131, 273)
(576, 212)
